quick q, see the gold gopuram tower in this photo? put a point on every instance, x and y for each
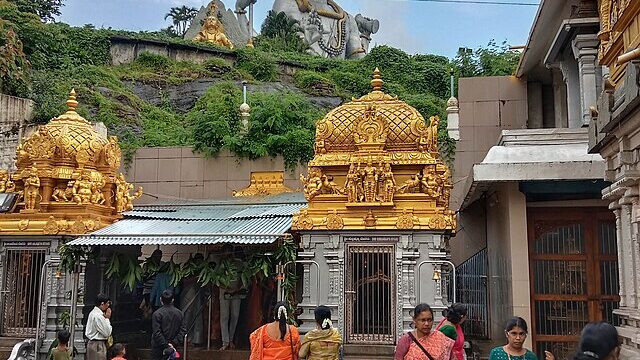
(67, 180)
(67, 183)
(376, 166)
(374, 234)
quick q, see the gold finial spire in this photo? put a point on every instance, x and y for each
(377, 82)
(72, 104)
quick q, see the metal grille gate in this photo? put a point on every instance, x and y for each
(471, 290)
(574, 268)
(20, 291)
(370, 294)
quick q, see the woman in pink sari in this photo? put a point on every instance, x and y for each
(451, 326)
(422, 343)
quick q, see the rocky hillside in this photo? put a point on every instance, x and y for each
(156, 101)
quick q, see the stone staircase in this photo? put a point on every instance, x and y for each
(351, 352)
(196, 354)
(368, 352)
(6, 345)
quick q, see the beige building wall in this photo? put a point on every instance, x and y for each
(179, 173)
(488, 105)
(508, 257)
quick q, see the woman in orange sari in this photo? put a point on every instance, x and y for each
(275, 340)
(422, 343)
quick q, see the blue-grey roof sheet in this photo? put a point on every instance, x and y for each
(239, 222)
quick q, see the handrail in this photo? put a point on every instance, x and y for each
(193, 323)
(42, 281)
(453, 267)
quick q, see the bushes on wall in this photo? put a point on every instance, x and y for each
(280, 124)
(257, 63)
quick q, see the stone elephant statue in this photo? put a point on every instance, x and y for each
(328, 29)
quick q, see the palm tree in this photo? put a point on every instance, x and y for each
(181, 18)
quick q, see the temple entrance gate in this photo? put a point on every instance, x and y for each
(20, 291)
(378, 206)
(370, 293)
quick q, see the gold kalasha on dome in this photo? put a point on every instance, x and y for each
(67, 179)
(376, 166)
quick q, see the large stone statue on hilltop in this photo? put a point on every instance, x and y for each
(328, 29)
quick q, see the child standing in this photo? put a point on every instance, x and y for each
(119, 351)
(62, 351)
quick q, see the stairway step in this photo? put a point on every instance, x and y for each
(9, 341)
(201, 354)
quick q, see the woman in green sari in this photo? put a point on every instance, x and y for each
(516, 332)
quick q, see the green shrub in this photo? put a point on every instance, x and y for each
(355, 84)
(392, 62)
(260, 65)
(280, 124)
(214, 116)
(430, 78)
(217, 66)
(163, 128)
(153, 61)
(314, 83)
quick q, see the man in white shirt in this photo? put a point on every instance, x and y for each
(98, 329)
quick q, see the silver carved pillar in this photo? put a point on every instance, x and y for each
(585, 49)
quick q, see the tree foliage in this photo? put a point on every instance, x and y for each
(181, 17)
(45, 9)
(14, 65)
(280, 32)
(492, 60)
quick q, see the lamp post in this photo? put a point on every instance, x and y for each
(245, 110)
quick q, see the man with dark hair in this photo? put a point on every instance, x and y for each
(98, 328)
(168, 327)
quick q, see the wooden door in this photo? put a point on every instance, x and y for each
(573, 274)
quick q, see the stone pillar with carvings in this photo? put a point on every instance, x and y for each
(585, 50)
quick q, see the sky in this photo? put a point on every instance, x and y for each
(413, 26)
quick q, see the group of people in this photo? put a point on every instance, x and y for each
(168, 330)
(599, 341)
(278, 340)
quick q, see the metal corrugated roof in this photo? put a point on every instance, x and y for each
(231, 222)
(173, 240)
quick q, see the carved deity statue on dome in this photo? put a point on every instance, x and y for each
(328, 29)
(411, 185)
(31, 189)
(430, 185)
(124, 198)
(82, 189)
(6, 184)
(96, 192)
(388, 184)
(64, 194)
(370, 176)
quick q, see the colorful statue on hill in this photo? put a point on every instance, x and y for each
(328, 29)
(212, 29)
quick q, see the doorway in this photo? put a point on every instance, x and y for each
(370, 294)
(20, 291)
(574, 274)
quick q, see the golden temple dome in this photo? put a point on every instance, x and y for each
(376, 166)
(67, 180)
(403, 127)
(71, 140)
